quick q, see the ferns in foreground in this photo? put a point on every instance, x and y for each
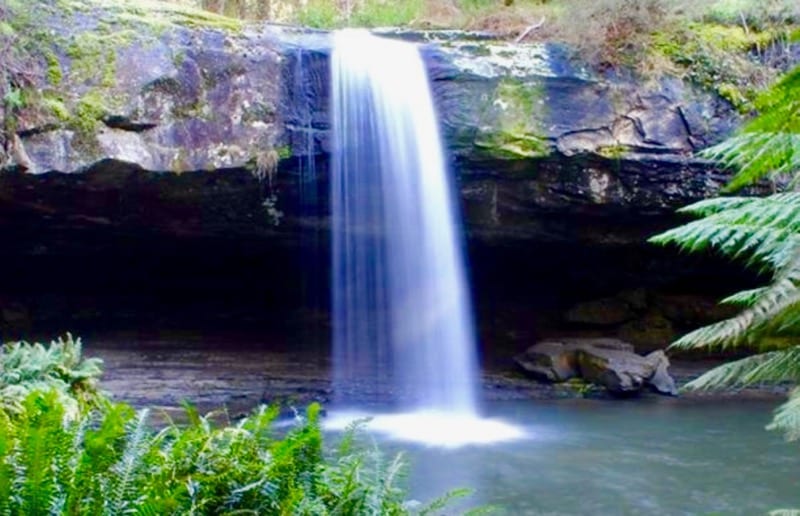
(66, 449)
(110, 461)
(765, 233)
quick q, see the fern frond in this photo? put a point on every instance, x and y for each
(28, 367)
(770, 310)
(123, 496)
(757, 155)
(765, 230)
(787, 417)
(7, 470)
(43, 440)
(770, 367)
(744, 298)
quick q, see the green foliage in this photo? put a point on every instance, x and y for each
(14, 99)
(765, 233)
(65, 449)
(768, 146)
(111, 461)
(319, 14)
(59, 367)
(717, 57)
(325, 14)
(377, 13)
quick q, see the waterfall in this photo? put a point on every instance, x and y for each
(402, 320)
(401, 307)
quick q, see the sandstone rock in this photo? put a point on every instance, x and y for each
(601, 342)
(661, 381)
(602, 312)
(620, 372)
(531, 132)
(609, 363)
(551, 361)
(557, 360)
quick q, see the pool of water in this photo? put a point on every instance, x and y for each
(659, 456)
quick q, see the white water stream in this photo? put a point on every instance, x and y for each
(402, 318)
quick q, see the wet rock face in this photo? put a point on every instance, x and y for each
(541, 147)
(184, 100)
(213, 142)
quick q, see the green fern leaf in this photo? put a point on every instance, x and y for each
(787, 417)
(123, 496)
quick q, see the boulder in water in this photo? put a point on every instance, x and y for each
(549, 360)
(556, 360)
(610, 363)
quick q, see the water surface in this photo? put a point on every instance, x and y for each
(620, 457)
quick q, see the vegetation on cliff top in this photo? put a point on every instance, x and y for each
(65, 78)
(707, 41)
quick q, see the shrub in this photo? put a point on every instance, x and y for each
(59, 367)
(111, 461)
(67, 449)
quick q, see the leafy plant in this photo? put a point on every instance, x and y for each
(765, 233)
(769, 146)
(112, 461)
(67, 449)
(59, 367)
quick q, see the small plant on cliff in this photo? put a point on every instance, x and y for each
(765, 233)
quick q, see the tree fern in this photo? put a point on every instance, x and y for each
(787, 417)
(765, 234)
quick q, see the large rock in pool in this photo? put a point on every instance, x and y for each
(610, 363)
(623, 372)
(557, 360)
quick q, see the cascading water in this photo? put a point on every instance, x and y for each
(401, 312)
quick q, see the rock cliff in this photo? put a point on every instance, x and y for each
(201, 126)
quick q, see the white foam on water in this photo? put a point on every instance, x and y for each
(431, 427)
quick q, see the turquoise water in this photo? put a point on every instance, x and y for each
(658, 456)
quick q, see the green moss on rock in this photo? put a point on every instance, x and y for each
(513, 146)
(54, 73)
(716, 56)
(55, 105)
(89, 111)
(516, 129)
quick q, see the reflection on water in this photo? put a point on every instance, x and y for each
(623, 457)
